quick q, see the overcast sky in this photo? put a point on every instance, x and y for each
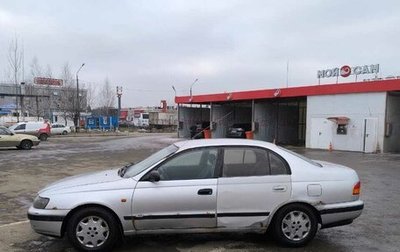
(148, 46)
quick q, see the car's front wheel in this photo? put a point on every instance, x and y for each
(25, 145)
(93, 229)
(295, 225)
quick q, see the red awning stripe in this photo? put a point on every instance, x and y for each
(325, 89)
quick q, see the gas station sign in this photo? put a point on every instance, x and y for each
(346, 71)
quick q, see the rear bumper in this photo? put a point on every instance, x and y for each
(47, 222)
(340, 214)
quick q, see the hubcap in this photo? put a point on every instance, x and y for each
(296, 225)
(92, 231)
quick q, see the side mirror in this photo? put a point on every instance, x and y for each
(154, 176)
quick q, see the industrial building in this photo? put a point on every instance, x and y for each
(357, 116)
(48, 99)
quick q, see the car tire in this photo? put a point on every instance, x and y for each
(64, 132)
(43, 137)
(25, 145)
(93, 229)
(295, 225)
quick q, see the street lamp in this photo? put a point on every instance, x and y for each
(119, 94)
(77, 114)
(173, 87)
(177, 127)
(191, 88)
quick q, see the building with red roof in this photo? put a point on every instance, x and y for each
(357, 116)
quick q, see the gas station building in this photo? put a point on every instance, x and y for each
(357, 116)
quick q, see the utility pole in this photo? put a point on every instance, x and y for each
(119, 94)
(78, 104)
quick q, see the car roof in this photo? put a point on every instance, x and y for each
(195, 143)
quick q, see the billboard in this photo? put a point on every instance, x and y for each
(47, 81)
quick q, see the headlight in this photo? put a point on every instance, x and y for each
(40, 202)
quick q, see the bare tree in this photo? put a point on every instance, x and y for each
(15, 60)
(35, 69)
(48, 73)
(90, 96)
(15, 57)
(107, 96)
(67, 99)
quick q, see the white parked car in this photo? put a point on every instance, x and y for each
(202, 186)
(39, 129)
(60, 129)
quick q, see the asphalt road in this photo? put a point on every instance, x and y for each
(23, 173)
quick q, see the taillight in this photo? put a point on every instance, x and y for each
(357, 188)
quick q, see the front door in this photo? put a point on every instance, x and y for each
(254, 182)
(185, 196)
(321, 133)
(370, 135)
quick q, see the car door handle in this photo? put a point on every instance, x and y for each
(279, 188)
(205, 191)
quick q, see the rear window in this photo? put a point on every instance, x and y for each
(310, 161)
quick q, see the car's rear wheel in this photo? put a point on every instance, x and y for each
(65, 132)
(93, 229)
(295, 225)
(25, 145)
(43, 137)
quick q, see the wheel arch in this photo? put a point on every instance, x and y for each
(76, 209)
(315, 211)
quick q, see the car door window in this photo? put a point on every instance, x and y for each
(3, 132)
(20, 127)
(277, 165)
(247, 161)
(193, 164)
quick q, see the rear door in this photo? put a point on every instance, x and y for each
(185, 197)
(254, 181)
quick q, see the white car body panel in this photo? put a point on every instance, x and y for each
(267, 193)
(153, 199)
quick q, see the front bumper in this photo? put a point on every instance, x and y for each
(339, 214)
(35, 143)
(47, 221)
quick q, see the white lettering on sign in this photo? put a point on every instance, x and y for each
(346, 71)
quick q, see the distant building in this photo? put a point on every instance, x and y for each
(38, 100)
(157, 117)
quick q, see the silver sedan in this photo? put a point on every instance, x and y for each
(202, 186)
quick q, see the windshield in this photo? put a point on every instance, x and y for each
(144, 164)
(5, 130)
(301, 157)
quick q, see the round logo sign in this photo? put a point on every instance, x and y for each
(277, 92)
(345, 71)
